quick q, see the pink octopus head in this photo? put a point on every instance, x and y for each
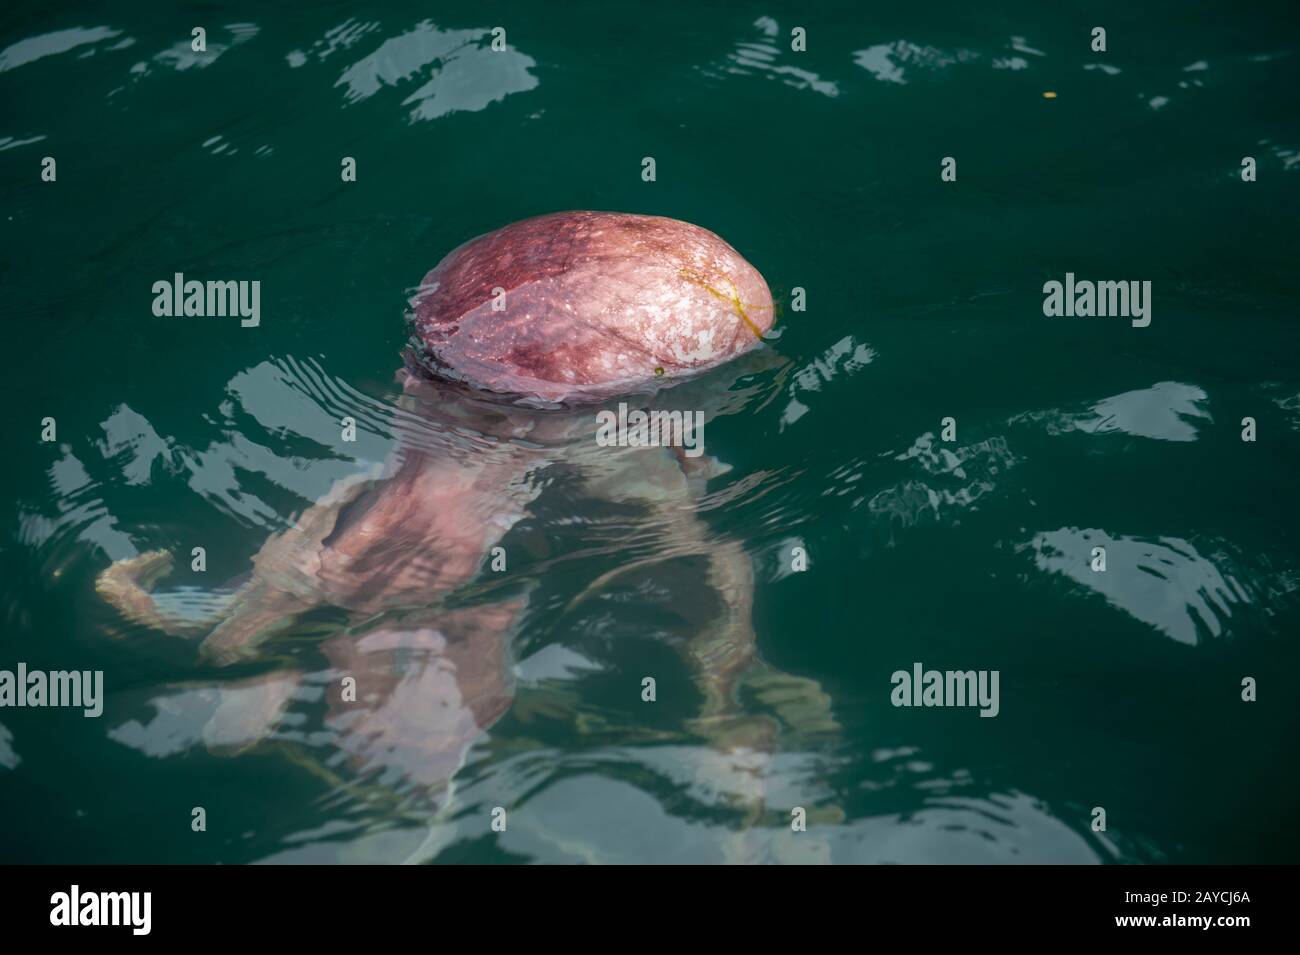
(585, 306)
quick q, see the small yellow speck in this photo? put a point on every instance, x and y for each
(659, 371)
(1049, 95)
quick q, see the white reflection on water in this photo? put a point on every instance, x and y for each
(847, 356)
(960, 476)
(1002, 828)
(652, 803)
(51, 44)
(554, 662)
(9, 759)
(605, 812)
(1290, 405)
(342, 37)
(889, 62)
(223, 718)
(10, 142)
(175, 726)
(131, 442)
(295, 400)
(761, 55)
(181, 56)
(285, 397)
(1166, 411)
(596, 819)
(81, 513)
(468, 75)
(1163, 582)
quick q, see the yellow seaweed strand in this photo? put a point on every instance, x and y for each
(733, 298)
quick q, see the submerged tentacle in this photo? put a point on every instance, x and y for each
(653, 477)
(127, 586)
(236, 621)
(286, 576)
(740, 744)
(724, 654)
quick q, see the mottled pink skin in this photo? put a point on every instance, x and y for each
(597, 304)
(425, 533)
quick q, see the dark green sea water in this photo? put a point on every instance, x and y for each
(1120, 690)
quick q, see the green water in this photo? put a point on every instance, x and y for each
(1119, 689)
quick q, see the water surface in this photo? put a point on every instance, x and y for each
(1119, 690)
